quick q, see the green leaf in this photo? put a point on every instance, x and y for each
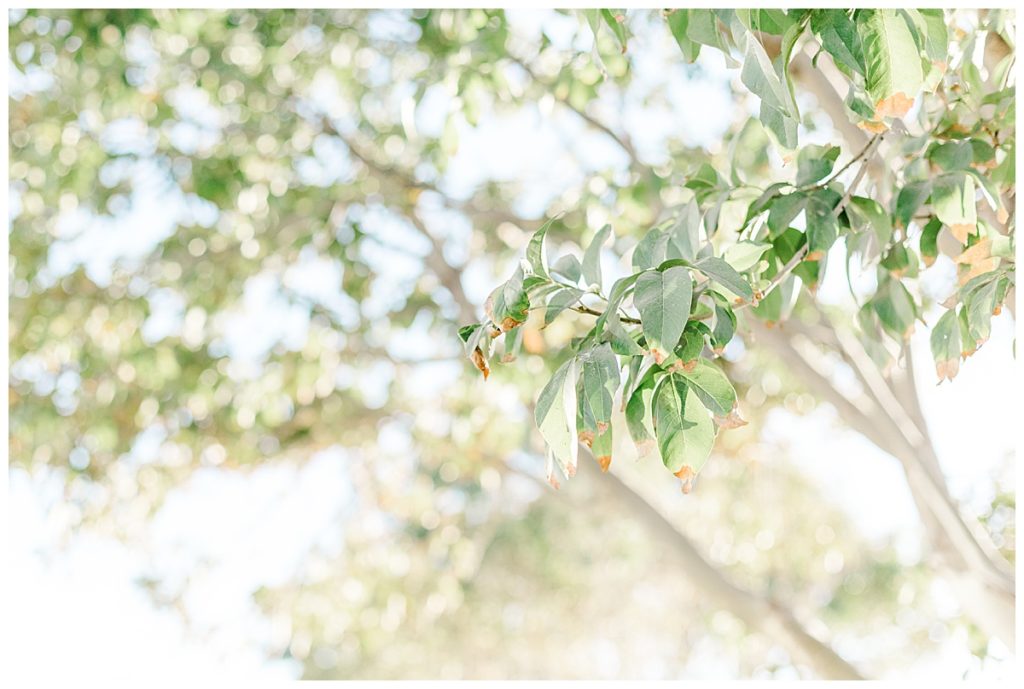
(639, 421)
(621, 341)
(769, 21)
(784, 210)
(600, 377)
(535, 254)
(467, 331)
(980, 304)
(562, 299)
(678, 23)
(651, 251)
(786, 245)
(909, 200)
(725, 323)
(711, 386)
(703, 28)
(619, 291)
(724, 274)
(952, 155)
(895, 308)
(893, 75)
(663, 299)
(704, 182)
(814, 163)
(513, 343)
(838, 35)
(929, 241)
(765, 200)
(760, 77)
(821, 221)
(682, 425)
(592, 258)
(611, 18)
(745, 254)
(684, 237)
(568, 266)
(878, 221)
(691, 344)
(782, 127)
(945, 342)
(508, 305)
(555, 415)
(953, 203)
(936, 35)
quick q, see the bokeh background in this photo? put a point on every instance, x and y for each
(245, 442)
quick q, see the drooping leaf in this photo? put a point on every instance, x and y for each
(838, 35)
(684, 237)
(945, 342)
(893, 65)
(568, 267)
(814, 163)
(822, 229)
(555, 415)
(508, 305)
(711, 386)
(895, 308)
(651, 251)
(724, 325)
(600, 378)
(678, 22)
(663, 299)
(980, 304)
(535, 253)
(877, 220)
(954, 204)
(639, 420)
(784, 210)
(682, 425)
(759, 75)
(929, 241)
(616, 20)
(725, 275)
(513, 343)
(562, 299)
(909, 200)
(619, 291)
(745, 254)
(782, 127)
(592, 258)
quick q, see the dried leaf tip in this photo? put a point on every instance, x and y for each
(687, 476)
(480, 361)
(732, 420)
(605, 461)
(896, 105)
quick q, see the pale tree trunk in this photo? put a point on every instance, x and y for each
(892, 419)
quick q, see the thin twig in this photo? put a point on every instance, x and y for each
(799, 255)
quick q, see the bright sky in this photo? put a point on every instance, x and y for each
(240, 531)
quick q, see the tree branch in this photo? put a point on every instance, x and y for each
(764, 615)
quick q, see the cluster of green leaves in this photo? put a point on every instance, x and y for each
(889, 56)
(684, 298)
(659, 328)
